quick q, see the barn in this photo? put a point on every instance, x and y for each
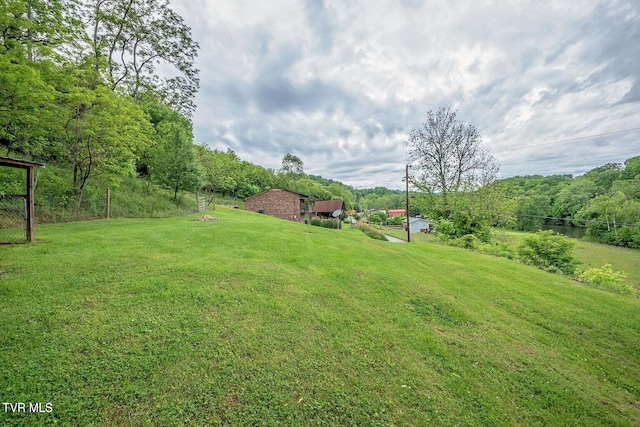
(280, 203)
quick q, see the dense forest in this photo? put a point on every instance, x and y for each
(605, 202)
(79, 91)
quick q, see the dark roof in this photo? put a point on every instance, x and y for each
(15, 163)
(280, 189)
(328, 205)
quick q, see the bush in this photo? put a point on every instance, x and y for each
(378, 218)
(468, 241)
(550, 251)
(605, 278)
(326, 223)
(370, 231)
(445, 229)
(395, 220)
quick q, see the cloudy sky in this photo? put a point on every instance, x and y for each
(552, 86)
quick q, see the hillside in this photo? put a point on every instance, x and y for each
(254, 320)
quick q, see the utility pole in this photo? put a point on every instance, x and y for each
(406, 181)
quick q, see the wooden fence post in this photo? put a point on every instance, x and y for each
(108, 208)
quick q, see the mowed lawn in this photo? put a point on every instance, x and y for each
(593, 255)
(258, 321)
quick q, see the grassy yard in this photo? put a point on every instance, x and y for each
(593, 255)
(257, 321)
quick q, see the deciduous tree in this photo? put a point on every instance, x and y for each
(449, 155)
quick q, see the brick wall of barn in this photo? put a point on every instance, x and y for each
(279, 203)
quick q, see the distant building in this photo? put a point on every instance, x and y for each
(280, 203)
(418, 225)
(326, 208)
(396, 212)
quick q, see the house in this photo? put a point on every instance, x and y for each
(396, 212)
(326, 208)
(280, 203)
(418, 225)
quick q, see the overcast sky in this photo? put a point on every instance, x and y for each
(342, 83)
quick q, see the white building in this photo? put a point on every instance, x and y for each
(418, 225)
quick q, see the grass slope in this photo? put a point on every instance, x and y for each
(593, 255)
(254, 320)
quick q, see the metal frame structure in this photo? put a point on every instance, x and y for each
(29, 167)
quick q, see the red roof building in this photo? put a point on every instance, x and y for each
(396, 212)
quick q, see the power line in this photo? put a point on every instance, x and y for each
(562, 141)
(585, 221)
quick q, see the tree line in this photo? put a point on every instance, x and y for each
(605, 202)
(79, 91)
(458, 189)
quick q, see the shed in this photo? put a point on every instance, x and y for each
(418, 225)
(326, 208)
(280, 203)
(29, 197)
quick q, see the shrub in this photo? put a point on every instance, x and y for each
(548, 250)
(378, 218)
(395, 220)
(326, 223)
(445, 229)
(370, 231)
(468, 241)
(605, 278)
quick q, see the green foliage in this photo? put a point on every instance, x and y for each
(129, 38)
(468, 241)
(613, 219)
(325, 222)
(605, 201)
(548, 250)
(292, 165)
(379, 198)
(395, 220)
(378, 218)
(173, 163)
(445, 228)
(468, 212)
(370, 231)
(604, 277)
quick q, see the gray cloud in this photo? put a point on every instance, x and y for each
(341, 84)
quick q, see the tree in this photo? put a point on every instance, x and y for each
(449, 155)
(174, 162)
(451, 164)
(103, 132)
(129, 37)
(291, 164)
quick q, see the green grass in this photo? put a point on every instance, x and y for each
(594, 255)
(257, 321)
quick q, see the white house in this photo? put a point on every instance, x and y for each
(418, 225)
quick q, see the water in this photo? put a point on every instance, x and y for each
(567, 230)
